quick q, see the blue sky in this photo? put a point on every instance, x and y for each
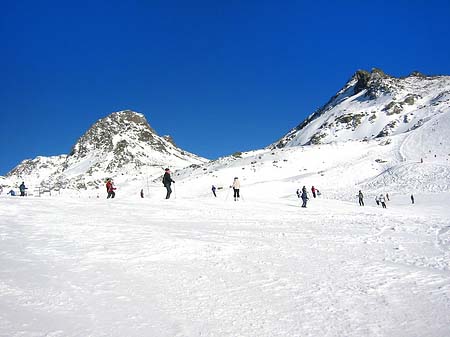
(219, 76)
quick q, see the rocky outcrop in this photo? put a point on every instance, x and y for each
(372, 105)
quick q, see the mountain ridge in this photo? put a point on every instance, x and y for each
(122, 143)
(373, 112)
(385, 104)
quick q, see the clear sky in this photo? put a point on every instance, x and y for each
(218, 76)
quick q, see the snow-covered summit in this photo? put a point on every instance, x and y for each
(373, 105)
(122, 144)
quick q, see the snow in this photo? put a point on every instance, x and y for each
(77, 264)
(429, 96)
(214, 267)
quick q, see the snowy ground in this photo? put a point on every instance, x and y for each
(215, 267)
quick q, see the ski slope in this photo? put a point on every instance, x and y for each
(214, 267)
(76, 264)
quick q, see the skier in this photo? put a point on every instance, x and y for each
(142, 193)
(382, 201)
(236, 187)
(377, 200)
(22, 189)
(361, 198)
(167, 181)
(298, 193)
(13, 194)
(110, 189)
(387, 197)
(304, 197)
(313, 190)
(213, 189)
(1, 190)
(412, 199)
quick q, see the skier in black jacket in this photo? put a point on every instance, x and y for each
(304, 197)
(167, 181)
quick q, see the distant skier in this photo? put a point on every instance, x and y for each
(387, 197)
(110, 189)
(299, 194)
(1, 190)
(412, 199)
(236, 188)
(313, 190)
(304, 197)
(382, 201)
(167, 181)
(142, 193)
(22, 189)
(12, 193)
(213, 189)
(377, 200)
(360, 198)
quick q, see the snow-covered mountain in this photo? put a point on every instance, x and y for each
(122, 145)
(260, 266)
(412, 156)
(373, 105)
(373, 135)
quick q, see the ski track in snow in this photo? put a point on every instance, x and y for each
(73, 267)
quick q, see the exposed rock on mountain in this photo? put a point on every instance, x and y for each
(122, 143)
(372, 105)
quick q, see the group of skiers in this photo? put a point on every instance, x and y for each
(303, 194)
(22, 190)
(235, 185)
(381, 200)
(167, 182)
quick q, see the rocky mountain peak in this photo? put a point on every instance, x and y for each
(373, 105)
(120, 144)
(374, 82)
(102, 134)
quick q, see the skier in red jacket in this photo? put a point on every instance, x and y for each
(110, 189)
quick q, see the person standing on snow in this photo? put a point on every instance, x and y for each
(236, 187)
(142, 193)
(213, 189)
(298, 193)
(110, 189)
(304, 197)
(377, 200)
(167, 181)
(412, 199)
(313, 190)
(22, 189)
(360, 198)
(382, 200)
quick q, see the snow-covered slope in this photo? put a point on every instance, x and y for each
(122, 146)
(417, 161)
(199, 265)
(213, 267)
(372, 136)
(373, 105)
